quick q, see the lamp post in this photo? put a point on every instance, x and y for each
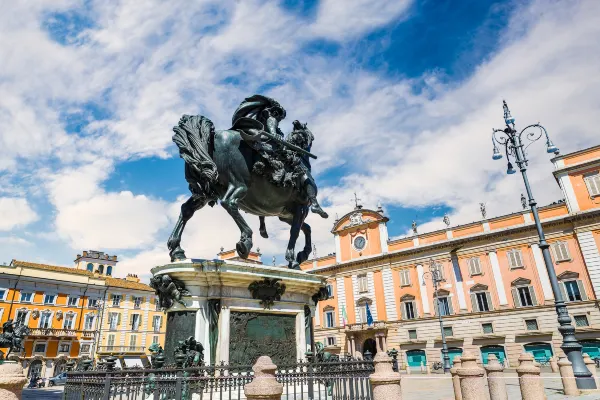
(514, 148)
(435, 275)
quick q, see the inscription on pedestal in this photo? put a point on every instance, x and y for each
(180, 326)
(262, 334)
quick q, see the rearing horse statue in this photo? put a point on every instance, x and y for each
(248, 167)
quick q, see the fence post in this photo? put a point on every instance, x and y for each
(532, 387)
(554, 363)
(455, 378)
(385, 382)
(472, 384)
(568, 377)
(496, 382)
(591, 366)
(264, 385)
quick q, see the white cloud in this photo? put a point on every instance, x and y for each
(15, 212)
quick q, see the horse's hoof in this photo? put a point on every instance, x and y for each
(243, 249)
(294, 265)
(264, 234)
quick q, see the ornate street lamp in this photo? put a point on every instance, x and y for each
(435, 275)
(514, 148)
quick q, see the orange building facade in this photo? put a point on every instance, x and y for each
(67, 309)
(496, 296)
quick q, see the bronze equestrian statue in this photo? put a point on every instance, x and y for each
(250, 167)
(12, 336)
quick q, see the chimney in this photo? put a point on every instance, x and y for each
(132, 278)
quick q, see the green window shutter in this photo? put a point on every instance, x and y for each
(532, 293)
(474, 302)
(563, 291)
(515, 296)
(581, 290)
(488, 296)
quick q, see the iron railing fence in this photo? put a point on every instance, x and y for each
(337, 380)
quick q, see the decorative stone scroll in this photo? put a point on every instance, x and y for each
(267, 291)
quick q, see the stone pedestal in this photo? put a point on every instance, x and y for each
(223, 315)
(532, 387)
(496, 381)
(591, 366)
(455, 378)
(12, 380)
(472, 384)
(264, 385)
(385, 382)
(568, 377)
(554, 364)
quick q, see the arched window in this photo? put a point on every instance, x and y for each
(109, 270)
(90, 267)
(100, 269)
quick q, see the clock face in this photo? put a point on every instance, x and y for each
(360, 242)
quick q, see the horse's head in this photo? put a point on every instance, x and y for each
(301, 136)
(320, 346)
(21, 330)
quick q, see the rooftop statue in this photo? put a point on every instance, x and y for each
(252, 167)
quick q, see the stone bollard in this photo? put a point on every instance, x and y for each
(553, 364)
(591, 366)
(496, 381)
(422, 366)
(264, 386)
(385, 382)
(12, 380)
(407, 369)
(455, 378)
(568, 377)
(532, 387)
(472, 384)
(427, 369)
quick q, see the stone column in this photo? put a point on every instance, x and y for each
(496, 381)
(455, 378)
(12, 380)
(532, 387)
(591, 366)
(264, 386)
(554, 364)
(472, 384)
(385, 382)
(568, 377)
(223, 341)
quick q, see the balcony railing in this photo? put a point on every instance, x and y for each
(365, 326)
(53, 332)
(120, 349)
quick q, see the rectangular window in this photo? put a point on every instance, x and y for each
(21, 317)
(592, 181)
(137, 302)
(155, 339)
(443, 306)
(438, 270)
(156, 323)
(46, 320)
(487, 328)
(482, 301)
(448, 331)
(3, 293)
(89, 322)
(362, 313)
(116, 300)
(525, 296)
(474, 266)
(64, 348)
(132, 342)
(73, 301)
(92, 303)
(85, 348)
(49, 298)
(111, 342)
(531, 324)
(331, 341)
(412, 334)
(409, 310)
(572, 289)
(329, 319)
(26, 297)
(404, 277)
(363, 284)
(69, 321)
(156, 304)
(330, 290)
(581, 320)
(134, 321)
(561, 251)
(113, 320)
(515, 259)
(39, 348)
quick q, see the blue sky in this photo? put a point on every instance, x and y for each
(401, 95)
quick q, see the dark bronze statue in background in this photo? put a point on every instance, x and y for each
(169, 290)
(251, 167)
(12, 336)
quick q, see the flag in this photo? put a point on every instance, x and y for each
(369, 316)
(344, 316)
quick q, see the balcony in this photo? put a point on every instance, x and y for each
(377, 325)
(54, 332)
(121, 349)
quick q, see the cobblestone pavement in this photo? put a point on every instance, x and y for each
(439, 387)
(48, 393)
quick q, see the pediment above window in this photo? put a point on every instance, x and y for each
(568, 275)
(442, 293)
(364, 300)
(479, 288)
(328, 308)
(407, 297)
(520, 282)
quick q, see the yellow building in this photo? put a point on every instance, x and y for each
(70, 311)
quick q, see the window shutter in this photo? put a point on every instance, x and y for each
(563, 291)
(488, 296)
(119, 319)
(435, 306)
(415, 309)
(450, 305)
(515, 295)
(581, 290)
(403, 310)
(474, 302)
(532, 293)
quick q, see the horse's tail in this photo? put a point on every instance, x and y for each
(194, 135)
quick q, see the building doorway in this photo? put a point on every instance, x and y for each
(591, 347)
(452, 352)
(416, 358)
(541, 351)
(371, 346)
(35, 368)
(498, 351)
